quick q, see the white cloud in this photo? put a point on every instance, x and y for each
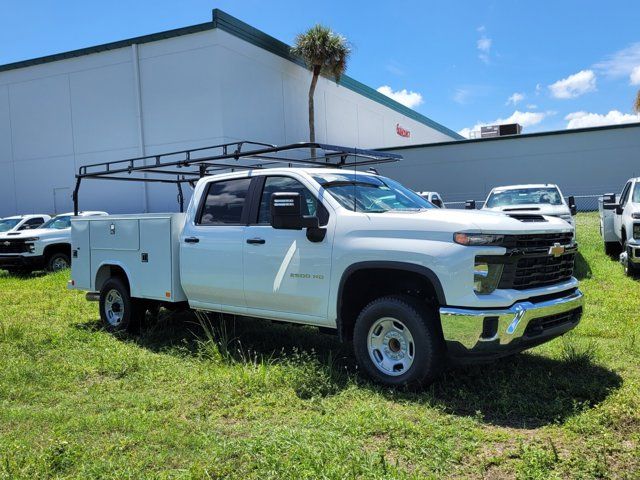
(620, 63)
(587, 119)
(515, 99)
(405, 97)
(532, 106)
(634, 76)
(538, 88)
(483, 45)
(461, 95)
(574, 85)
(526, 119)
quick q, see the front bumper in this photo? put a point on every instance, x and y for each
(492, 333)
(21, 261)
(633, 252)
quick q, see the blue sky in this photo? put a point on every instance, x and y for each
(562, 63)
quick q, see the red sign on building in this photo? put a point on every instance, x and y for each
(403, 132)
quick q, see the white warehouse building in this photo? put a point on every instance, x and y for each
(202, 85)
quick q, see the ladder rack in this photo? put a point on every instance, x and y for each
(187, 166)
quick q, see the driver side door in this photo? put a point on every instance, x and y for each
(618, 217)
(285, 272)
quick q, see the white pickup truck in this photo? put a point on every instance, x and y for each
(357, 253)
(620, 225)
(48, 246)
(538, 199)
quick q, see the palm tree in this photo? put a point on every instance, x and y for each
(636, 104)
(324, 52)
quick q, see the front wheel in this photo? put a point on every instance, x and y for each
(398, 342)
(58, 261)
(118, 311)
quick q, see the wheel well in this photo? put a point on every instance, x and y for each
(365, 285)
(57, 248)
(105, 272)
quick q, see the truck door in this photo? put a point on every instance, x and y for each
(284, 272)
(211, 247)
(617, 219)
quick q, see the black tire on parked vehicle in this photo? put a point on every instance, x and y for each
(118, 311)
(58, 261)
(398, 341)
(612, 248)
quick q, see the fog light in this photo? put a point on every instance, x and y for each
(32, 247)
(486, 276)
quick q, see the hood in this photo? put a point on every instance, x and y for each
(36, 232)
(539, 208)
(474, 221)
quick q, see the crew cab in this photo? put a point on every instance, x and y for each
(355, 253)
(18, 223)
(620, 225)
(538, 199)
(48, 246)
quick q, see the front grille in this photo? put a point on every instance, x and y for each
(537, 271)
(539, 240)
(13, 246)
(540, 325)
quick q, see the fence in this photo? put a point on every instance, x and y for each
(584, 203)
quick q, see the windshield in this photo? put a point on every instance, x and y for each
(636, 193)
(58, 222)
(8, 224)
(525, 196)
(370, 194)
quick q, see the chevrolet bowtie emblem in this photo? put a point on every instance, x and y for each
(556, 250)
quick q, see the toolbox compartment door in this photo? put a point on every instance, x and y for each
(116, 234)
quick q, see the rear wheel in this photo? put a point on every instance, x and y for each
(58, 261)
(118, 311)
(398, 342)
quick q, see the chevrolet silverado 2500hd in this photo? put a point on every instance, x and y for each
(543, 199)
(18, 223)
(48, 246)
(620, 225)
(410, 284)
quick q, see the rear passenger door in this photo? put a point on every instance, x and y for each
(211, 247)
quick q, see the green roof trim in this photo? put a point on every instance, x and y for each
(516, 137)
(246, 32)
(250, 34)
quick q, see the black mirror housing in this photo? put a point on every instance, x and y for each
(286, 211)
(572, 205)
(470, 205)
(609, 198)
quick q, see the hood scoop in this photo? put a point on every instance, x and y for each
(523, 209)
(527, 218)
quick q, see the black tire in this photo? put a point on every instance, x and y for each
(423, 325)
(58, 261)
(612, 248)
(118, 311)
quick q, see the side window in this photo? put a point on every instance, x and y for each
(34, 222)
(310, 205)
(625, 194)
(224, 202)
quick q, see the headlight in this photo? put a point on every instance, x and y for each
(635, 215)
(566, 218)
(486, 276)
(471, 239)
(636, 231)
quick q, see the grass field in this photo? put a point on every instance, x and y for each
(259, 400)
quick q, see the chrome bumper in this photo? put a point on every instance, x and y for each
(633, 252)
(494, 333)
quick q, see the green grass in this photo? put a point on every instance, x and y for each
(252, 399)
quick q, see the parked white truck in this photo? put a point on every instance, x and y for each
(620, 225)
(46, 247)
(537, 199)
(17, 223)
(410, 284)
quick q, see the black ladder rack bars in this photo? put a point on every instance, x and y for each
(188, 167)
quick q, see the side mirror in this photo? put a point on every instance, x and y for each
(609, 198)
(286, 214)
(572, 205)
(437, 202)
(470, 205)
(25, 227)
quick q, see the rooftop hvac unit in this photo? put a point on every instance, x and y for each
(500, 130)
